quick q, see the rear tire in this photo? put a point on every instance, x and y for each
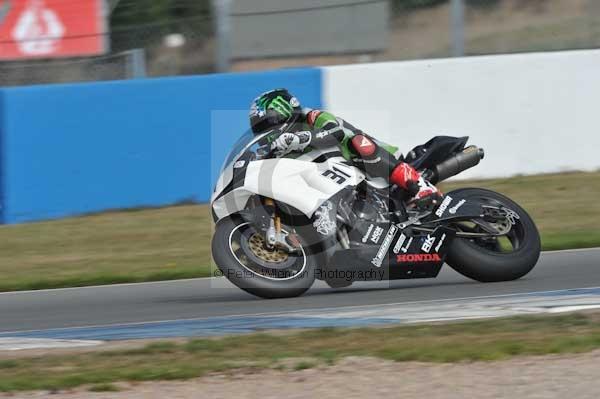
(485, 265)
(250, 281)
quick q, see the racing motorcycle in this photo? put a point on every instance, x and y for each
(281, 223)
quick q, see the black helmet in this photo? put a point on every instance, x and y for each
(274, 109)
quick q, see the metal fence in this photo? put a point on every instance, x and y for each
(507, 26)
(420, 29)
(111, 67)
(473, 27)
(415, 29)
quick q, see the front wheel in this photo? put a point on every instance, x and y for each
(240, 253)
(494, 260)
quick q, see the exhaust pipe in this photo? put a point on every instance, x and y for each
(468, 158)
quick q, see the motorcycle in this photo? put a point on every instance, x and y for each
(282, 223)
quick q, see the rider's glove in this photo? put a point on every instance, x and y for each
(290, 142)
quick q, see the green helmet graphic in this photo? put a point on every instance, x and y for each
(274, 109)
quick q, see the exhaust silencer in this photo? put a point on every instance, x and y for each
(468, 158)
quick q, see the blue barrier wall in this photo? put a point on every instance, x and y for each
(2, 204)
(72, 149)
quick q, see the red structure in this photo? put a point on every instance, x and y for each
(52, 28)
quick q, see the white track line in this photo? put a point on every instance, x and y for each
(210, 278)
(16, 344)
(291, 312)
(571, 250)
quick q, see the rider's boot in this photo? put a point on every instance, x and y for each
(425, 196)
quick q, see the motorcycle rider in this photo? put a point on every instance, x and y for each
(295, 128)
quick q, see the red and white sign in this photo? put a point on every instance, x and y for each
(51, 28)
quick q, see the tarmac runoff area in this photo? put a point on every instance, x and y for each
(66, 317)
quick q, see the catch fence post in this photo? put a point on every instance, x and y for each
(222, 12)
(458, 28)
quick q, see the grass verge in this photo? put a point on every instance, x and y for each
(467, 341)
(173, 243)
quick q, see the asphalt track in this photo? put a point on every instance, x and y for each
(207, 298)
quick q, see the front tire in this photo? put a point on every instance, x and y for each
(254, 278)
(487, 263)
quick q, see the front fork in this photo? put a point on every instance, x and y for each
(274, 230)
(275, 237)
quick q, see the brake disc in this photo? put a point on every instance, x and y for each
(257, 245)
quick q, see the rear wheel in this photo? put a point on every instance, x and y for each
(496, 259)
(240, 253)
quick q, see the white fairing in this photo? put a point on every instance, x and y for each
(300, 184)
